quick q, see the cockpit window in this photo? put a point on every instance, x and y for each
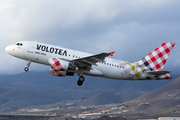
(19, 44)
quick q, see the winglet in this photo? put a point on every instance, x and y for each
(111, 53)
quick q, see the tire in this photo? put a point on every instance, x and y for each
(81, 78)
(26, 69)
(79, 83)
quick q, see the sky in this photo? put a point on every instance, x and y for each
(131, 28)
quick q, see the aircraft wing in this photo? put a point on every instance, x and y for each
(157, 72)
(91, 60)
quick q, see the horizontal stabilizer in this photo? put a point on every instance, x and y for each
(157, 72)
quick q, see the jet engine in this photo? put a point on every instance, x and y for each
(61, 68)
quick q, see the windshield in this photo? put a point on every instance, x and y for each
(19, 44)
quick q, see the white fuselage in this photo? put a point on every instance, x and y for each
(41, 53)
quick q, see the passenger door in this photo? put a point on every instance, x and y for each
(31, 47)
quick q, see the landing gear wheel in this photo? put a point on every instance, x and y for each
(81, 80)
(28, 64)
(26, 69)
(79, 83)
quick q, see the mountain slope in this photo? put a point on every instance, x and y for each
(101, 99)
(15, 99)
(167, 96)
(107, 98)
(41, 88)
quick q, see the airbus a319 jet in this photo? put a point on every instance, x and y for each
(66, 62)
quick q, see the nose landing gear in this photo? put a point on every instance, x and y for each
(81, 80)
(28, 64)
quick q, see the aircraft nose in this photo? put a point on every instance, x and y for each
(7, 49)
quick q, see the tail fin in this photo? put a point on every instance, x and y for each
(156, 60)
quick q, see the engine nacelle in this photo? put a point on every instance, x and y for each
(60, 73)
(61, 67)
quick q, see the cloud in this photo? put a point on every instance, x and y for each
(131, 28)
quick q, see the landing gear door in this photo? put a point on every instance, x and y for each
(31, 47)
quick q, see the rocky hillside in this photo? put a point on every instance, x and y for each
(107, 98)
(40, 88)
(165, 97)
(101, 99)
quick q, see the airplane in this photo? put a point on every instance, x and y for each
(67, 62)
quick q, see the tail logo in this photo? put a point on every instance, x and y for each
(157, 58)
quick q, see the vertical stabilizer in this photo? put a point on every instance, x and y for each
(156, 60)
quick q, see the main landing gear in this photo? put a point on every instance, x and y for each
(28, 64)
(81, 80)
